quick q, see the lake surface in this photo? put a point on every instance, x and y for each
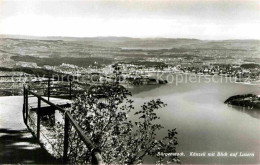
(204, 123)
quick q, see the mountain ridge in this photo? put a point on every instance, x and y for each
(115, 38)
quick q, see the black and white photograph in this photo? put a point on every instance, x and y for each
(128, 82)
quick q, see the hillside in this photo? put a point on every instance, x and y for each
(16, 48)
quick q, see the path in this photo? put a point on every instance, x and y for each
(17, 145)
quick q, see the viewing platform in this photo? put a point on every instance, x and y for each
(29, 123)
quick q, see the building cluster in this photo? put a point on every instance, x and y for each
(224, 70)
(139, 72)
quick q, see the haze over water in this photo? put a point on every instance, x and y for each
(204, 122)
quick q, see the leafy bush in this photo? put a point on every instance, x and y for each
(103, 114)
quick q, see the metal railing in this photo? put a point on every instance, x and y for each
(68, 121)
(43, 85)
(50, 89)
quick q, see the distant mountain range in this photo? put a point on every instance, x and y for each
(116, 39)
(150, 43)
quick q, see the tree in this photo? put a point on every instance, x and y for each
(103, 113)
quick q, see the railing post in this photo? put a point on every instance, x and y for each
(24, 111)
(70, 90)
(96, 157)
(26, 106)
(49, 81)
(38, 119)
(66, 139)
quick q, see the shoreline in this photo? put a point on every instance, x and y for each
(207, 75)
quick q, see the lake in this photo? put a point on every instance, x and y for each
(204, 123)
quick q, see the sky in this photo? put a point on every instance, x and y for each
(200, 19)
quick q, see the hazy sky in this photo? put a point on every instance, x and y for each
(202, 19)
